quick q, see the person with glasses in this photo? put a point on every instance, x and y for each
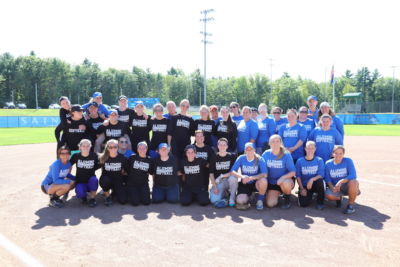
(279, 121)
(59, 180)
(180, 130)
(247, 130)
(235, 109)
(205, 124)
(227, 128)
(123, 147)
(98, 98)
(266, 128)
(304, 120)
(114, 166)
(159, 128)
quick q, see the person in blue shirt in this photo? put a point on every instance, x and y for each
(247, 130)
(340, 178)
(312, 103)
(59, 180)
(310, 171)
(325, 138)
(98, 98)
(235, 109)
(252, 177)
(294, 135)
(337, 123)
(279, 121)
(266, 128)
(281, 170)
(308, 123)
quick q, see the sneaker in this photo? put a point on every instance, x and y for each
(253, 198)
(56, 202)
(339, 203)
(92, 203)
(84, 201)
(232, 203)
(320, 206)
(108, 201)
(221, 204)
(243, 206)
(286, 202)
(260, 205)
(349, 209)
(65, 196)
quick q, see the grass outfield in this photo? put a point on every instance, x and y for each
(15, 136)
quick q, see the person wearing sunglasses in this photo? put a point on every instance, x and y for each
(279, 121)
(304, 120)
(98, 98)
(59, 180)
(159, 128)
(235, 109)
(112, 179)
(180, 130)
(123, 147)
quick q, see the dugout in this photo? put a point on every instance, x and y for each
(352, 102)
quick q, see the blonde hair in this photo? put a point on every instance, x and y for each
(282, 149)
(103, 157)
(206, 108)
(261, 106)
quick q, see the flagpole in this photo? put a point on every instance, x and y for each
(333, 94)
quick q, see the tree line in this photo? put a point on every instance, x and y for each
(54, 77)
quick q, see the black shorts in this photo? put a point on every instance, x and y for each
(274, 187)
(247, 189)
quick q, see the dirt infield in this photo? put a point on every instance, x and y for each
(174, 235)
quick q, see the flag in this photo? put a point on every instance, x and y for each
(333, 75)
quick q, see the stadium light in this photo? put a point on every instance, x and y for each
(394, 68)
(205, 19)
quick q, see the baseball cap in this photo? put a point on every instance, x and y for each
(76, 108)
(94, 104)
(213, 107)
(97, 94)
(122, 97)
(190, 147)
(324, 104)
(162, 145)
(139, 103)
(111, 111)
(312, 97)
(249, 144)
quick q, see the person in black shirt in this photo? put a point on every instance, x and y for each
(227, 128)
(206, 125)
(159, 128)
(87, 163)
(222, 182)
(193, 173)
(76, 130)
(165, 177)
(112, 173)
(139, 167)
(111, 129)
(204, 152)
(125, 114)
(94, 120)
(180, 130)
(140, 126)
(64, 119)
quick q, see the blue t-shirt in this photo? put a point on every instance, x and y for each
(309, 124)
(237, 119)
(266, 128)
(325, 141)
(336, 172)
(313, 115)
(101, 109)
(338, 124)
(291, 135)
(57, 172)
(246, 131)
(249, 168)
(128, 153)
(280, 123)
(307, 169)
(277, 167)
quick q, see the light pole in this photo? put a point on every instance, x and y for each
(205, 19)
(270, 98)
(394, 68)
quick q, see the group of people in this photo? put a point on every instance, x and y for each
(239, 157)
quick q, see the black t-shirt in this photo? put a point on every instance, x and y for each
(181, 128)
(126, 115)
(204, 152)
(222, 131)
(94, 124)
(208, 127)
(139, 169)
(160, 132)
(113, 131)
(140, 130)
(195, 172)
(65, 116)
(74, 135)
(113, 167)
(85, 166)
(221, 165)
(165, 172)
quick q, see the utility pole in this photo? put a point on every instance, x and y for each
(37, 106)
(270, 77)
(394, 68)
(205, 19)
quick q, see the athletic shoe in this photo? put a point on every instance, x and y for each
(320, 206)
(65, 196)
(108, 201)
(339, 203)
(92, 203)
(253, 198)
(221, 204)
(243, 206)
(260, 205)
(286, 202)
(56, 202)
(84, 201)
(232, 203)
(349, 209)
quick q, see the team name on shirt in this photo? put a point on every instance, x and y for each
(307, 170)
(241, 127)
(164, 170)
(76, 130)
(290, 133)
(202, 155)
(307, 126)
(123, 118)
(113, 166)
(140, 165)
(250, 169)
(275, 164)
(279, 126)
(183, 123)
(222, 165)
(139, 123)
(85, 164)
(114, 132)
(63, 173)
(96, 125)
(338, 173)
(159, 128)
(324, 139)
(222, 128)
(262, 126)
(192, 169)
(205, 127)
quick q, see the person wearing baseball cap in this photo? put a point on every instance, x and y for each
(93, 119)
(312, 103)
(214, 114)
(125, 114)
(98, 98)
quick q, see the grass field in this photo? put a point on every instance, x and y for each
(15, 136)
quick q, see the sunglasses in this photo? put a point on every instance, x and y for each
(112, 147)
(276, 113)
(123, 142)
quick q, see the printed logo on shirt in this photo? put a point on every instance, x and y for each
(63, 173)
(262, 126)
(202, 155)
(96, 125)
(250, 169)
(275, 164)
(123, 118)
(324, 139)
(222, 165)
(307, 126)
(309, 170)
(164, 170)
(140, 165)
(290, 133)
(241, 127)
(192, 169)
(113, 166)
(205, 127)
(139, 123)
(222, 128)
(113, 132)
(279, 126)
(159, 128)
(76, 130)
(85, 164)
(338, 173)
(182, 123)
